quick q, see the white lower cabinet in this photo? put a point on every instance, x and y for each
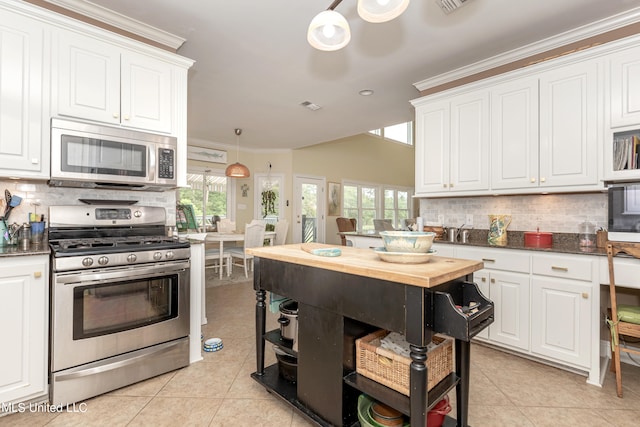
(510, 294)
(24, 297)
(545, 304)
(564, 308)
(561, 320)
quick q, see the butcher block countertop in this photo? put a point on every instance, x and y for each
(365, 262)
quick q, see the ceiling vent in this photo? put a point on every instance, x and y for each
(310, 105)
(449, 6)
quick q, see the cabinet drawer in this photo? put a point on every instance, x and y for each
(563, 266)
(626, 271)
(496, 259)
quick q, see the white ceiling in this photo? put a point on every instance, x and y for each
(254, 67)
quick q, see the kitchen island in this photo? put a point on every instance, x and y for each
(337, 295)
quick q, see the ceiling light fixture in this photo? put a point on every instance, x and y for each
(329, 30)
(237, 170)
(377, 11)
(366, 92)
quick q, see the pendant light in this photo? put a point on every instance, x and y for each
(377, 11)
(237, 170)
(329, 30)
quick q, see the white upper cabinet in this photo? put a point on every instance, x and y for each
(452, 144)
(622, 141)
(569, 124)
(624, 81)
(106, 83)
(514, 134)
(24, 128)
(535, 130)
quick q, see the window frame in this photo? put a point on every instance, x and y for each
(379, 203)
(231, 189)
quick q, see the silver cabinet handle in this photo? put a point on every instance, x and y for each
(556, 268)
(488, 260)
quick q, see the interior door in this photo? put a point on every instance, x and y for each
(309, 209)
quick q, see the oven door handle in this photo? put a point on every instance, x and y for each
(143, 354)
(93, 277)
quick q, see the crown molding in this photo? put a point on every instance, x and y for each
(120, 21)
(572, 36)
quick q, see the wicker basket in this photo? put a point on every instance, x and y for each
(392, 369)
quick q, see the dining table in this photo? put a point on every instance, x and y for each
(221, 238)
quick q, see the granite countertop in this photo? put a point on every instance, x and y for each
(567, 243)
(34, 249)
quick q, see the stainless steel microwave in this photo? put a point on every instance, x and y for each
(90, 155)
(624, 212)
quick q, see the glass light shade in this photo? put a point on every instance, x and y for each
(329, 31)
(237, 170)
(377, 11)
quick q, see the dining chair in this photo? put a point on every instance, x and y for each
(282, 227)
(226, 226)
(253, 238)
(213, 255)
(345, 224)
(625, 319)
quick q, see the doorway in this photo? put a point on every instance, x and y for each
(308, 209)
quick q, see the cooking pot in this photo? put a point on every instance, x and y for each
(289, 320)
(538, 239)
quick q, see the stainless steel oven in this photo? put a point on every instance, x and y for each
(119, 299)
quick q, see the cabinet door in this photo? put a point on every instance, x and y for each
(569, 125)
(469, 151)
(514, 134)
(561, 319)
(624, 86)
(432, 148)
(24, 118)
(88, 78)
(481, 278)
(24, 288)
(510, 295)
(146, 93)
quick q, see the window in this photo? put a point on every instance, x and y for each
(397, 206)
(402, 132)
(365, 203)
(209, 193)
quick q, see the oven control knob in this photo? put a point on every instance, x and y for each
(132, 258)
(157, 256)
(137, 214)
(170, 255)
(87, 262)
(103, 260)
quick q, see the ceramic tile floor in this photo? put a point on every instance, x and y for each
(505, 390)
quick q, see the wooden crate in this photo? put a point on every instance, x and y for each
(392, 369)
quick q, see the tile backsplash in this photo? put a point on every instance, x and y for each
(560, 213)
(38, 196)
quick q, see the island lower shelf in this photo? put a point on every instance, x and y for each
(287, 391)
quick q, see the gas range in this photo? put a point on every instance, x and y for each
(95, 236)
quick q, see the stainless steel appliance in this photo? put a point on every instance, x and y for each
(119, 299)
(90, 155)
(624, 212)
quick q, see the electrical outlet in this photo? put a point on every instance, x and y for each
(441, 219)
(469, 220)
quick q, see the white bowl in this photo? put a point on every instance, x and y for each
(407, 241)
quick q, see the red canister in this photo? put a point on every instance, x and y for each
(435, 417)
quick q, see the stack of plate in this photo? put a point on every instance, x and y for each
(212, 344)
